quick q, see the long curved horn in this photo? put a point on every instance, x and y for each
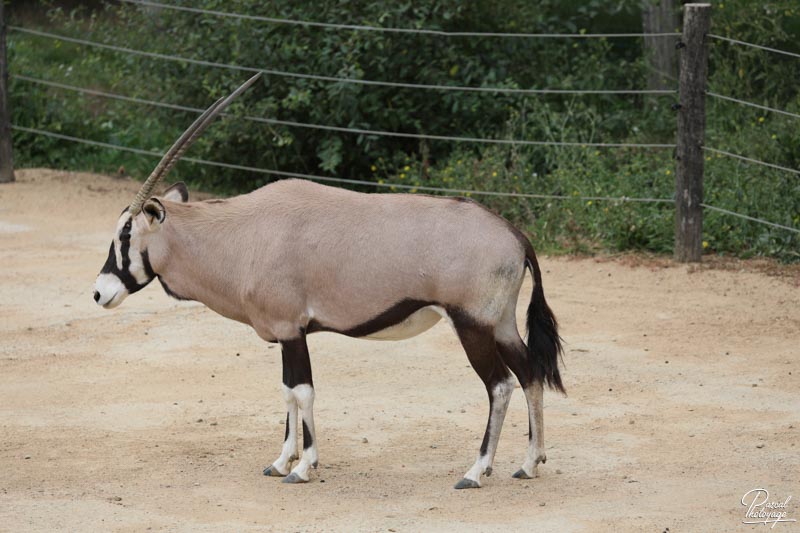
(183, 143)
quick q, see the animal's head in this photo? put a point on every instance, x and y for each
(127, 268)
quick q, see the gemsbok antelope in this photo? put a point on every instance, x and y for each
(295, 257)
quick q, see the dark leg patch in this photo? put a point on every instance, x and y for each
(296, 362)
(308, 440)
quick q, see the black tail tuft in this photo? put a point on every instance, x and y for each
(544, 343)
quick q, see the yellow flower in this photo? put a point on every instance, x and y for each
(597, 152)
(668, 172)
(402, 176)
(761, 119)
(494, 174)
(705, 245)
(380, 181)
(413, 190)
(406, 168)
(469, 194)
(589, 202)
(708, 158)
(373, 168)
(774, 136)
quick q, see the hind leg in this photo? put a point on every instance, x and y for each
(478, 342)
(514, 354)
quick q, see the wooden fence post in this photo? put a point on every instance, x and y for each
(6, 160)
(691, 133)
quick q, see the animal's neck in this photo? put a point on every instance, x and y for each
(196, 261)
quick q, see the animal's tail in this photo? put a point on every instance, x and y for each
(544, 343)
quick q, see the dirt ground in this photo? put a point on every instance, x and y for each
(684, 394)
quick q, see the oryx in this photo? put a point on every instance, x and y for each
(295, 257)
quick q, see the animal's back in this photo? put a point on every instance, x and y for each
(441, 250)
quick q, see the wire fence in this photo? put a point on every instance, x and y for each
(334, 79)
(416, 86)
(752, 104)
(413, 31)
(361, 131)
(314, 177)
(750, 160)
(752, 45)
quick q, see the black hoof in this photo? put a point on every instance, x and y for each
(315, 464)
(467, 484)
(488, 472)
(272, 472)
(293, 478)
(521, 474)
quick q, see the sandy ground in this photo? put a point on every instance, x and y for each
(684, 394)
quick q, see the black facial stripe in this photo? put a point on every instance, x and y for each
(169, 291)
(124, 274)
(148, 268)
(125, 245)
(111, 263)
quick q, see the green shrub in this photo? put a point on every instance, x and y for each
(577, 172)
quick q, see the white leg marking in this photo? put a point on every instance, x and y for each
(501, 396)
(304, 394)
(289, 451)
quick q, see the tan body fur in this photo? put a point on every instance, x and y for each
(295, 250)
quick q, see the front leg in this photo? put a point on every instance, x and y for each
(299, 386)
(282, 464)
(304, 393)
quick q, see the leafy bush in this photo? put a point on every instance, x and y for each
(579, 172)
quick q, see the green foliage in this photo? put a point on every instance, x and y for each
(573, 225)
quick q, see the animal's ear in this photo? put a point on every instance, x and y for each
(177, 193)
(154, 212)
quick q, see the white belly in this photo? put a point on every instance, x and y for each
(416, 323)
